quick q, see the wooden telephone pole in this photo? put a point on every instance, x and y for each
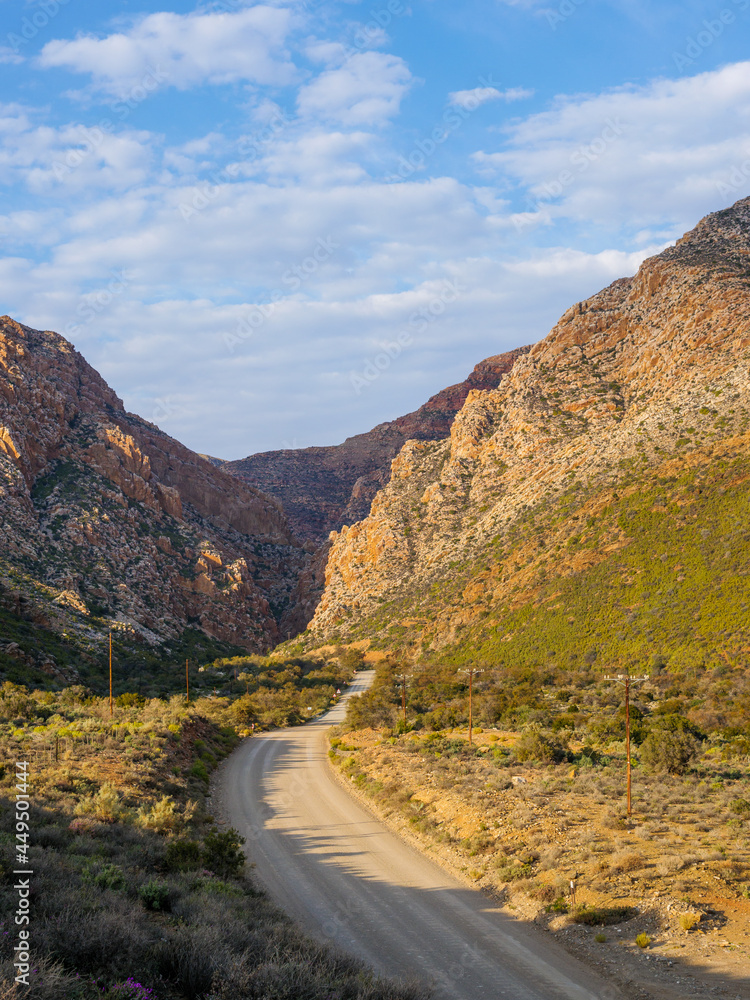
(626, 680)
(470, 671)
(401, 679)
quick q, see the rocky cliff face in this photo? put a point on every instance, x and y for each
(108, 522)
(324, 488)
(652, 369)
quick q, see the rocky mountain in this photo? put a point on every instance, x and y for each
(598, 492)
(324, 488)
(108, 523)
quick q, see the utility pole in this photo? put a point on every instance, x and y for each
(626, 680)
(470, 671)
(111, 706)
(187, 680)
(401, 679)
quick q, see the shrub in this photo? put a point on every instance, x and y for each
(643, 940)
(130, 700)
(740, 806)
(688, 921)
(669, 751)
(106, 806)
(629, 862)
(511, 872)
(603, 916)
(183, 855)
(545, 893)
(222, 853)
(161, 817)
(108, 877)
(539, 746)
(129, 990)
(155, 895)
(198, 770)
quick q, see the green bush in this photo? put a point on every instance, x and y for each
(155, 895)
(670, 751)
(108, 877)
(603, 916)
(183, 855)
(222, 853)
(198, 770)
(539, 746)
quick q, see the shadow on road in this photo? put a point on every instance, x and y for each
(349, 881)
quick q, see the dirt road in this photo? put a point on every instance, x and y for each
(346, 878)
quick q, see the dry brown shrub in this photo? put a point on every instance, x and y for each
(631, 861)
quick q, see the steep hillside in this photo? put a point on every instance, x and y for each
(109, 523)
(324, 488)
(595, 502)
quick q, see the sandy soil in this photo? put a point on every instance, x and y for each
(671, 875)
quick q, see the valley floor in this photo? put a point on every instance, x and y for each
(522, 832)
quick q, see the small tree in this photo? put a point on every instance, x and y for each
(670, 751)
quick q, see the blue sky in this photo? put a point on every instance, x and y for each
(276, 225)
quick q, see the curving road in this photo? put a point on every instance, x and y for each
(346, 878)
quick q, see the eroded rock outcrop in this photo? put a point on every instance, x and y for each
(324, 488)
(650, 367)
(106, 516)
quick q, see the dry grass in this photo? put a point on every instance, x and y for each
(131, 879)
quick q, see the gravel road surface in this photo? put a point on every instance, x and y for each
(346, 878)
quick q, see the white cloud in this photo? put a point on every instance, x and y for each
(10, 56)
(72, 158)
(366, 90)
(471, 99)
(159, 338)
(186, 50)
(319, 157)
(637, 157)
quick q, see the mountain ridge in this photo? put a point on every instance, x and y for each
(645, 370)
(322, 488)
(110, 523)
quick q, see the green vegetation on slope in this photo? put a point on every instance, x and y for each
(655, 571)
(136, 894)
